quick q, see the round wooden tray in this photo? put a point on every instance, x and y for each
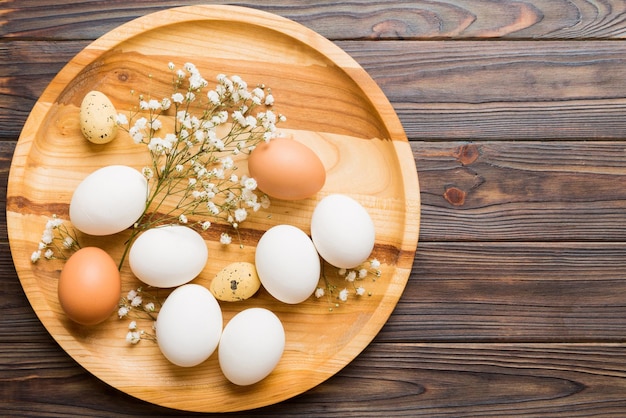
(331, 105)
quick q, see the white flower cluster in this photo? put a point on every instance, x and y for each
(353, 276)
(194, 159)
(56, 241)
(133, 305)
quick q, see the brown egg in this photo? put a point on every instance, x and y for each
(90, 286)
(286, 169)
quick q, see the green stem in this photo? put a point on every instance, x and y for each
(129, 243)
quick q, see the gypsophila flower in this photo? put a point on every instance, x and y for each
(241, 214)
(57, 241)
(47, 236)
(122, 312)
(319, 292)
(249, 183)
(178, 98)
(154, 104)
(133, 337)
(213, 97)
(121, 119)
(375, 264)
(225, 239)
(356, 277)
(68, 242)
(195, 161)
(136, 301)
(147, 173)
(132, 306)
(155, 125)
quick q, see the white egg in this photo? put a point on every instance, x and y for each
(342, 231)
(109, 200)
(252, 344)
(287, 263)
(168, 256)
(189, 325)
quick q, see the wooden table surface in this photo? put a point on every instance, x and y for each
(516, 113)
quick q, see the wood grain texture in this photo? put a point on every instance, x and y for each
(514, 305)
(502, 90)
(522, 191)
(440, 90)
(570, 292)
(422, 378)
(509, 19)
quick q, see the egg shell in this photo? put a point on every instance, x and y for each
(98, 118)
(286, 169)
(89, 286)
(189, 325)
(252, 344)
(168, 256)
(287, 263)
(235, 282)
(108, 200)
(342, 231)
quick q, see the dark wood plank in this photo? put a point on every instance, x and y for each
(461, 19)
(565, 292)
(26, 68)
(422, 379)
(6, 153)
(470, 292)
(504, 191)
(441, 90)
(501, 90)
(522, 191)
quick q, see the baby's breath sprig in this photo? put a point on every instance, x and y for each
(135, 305)
(194, 138)
(57, 241)
(355, 277)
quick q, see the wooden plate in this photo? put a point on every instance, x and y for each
(331, 105)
